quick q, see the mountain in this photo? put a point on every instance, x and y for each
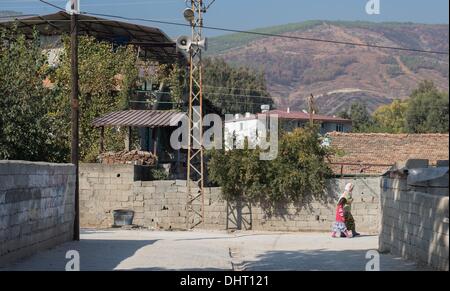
(4, 13)
(338, 75)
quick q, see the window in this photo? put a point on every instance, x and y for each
(339, 127)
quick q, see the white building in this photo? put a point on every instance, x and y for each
(245, 126)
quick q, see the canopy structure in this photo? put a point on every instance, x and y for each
(153, 120)
(140, 118)
(153, 42)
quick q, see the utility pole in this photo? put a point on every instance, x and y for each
(75, 112)
(195, 214)
(311, 110)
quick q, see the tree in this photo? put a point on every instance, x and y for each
(344, 114)
(428, 110)
(26, 131)
(362, 121)
(297, 175)
(234, 89)
(107, 80)
(391, 118)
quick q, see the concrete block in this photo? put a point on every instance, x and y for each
(442, 163)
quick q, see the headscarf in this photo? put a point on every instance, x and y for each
(348, 192)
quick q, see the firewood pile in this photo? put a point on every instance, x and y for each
(133, 157)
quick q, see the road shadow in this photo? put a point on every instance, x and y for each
(95, 255)
(323, 260)
(177, 270)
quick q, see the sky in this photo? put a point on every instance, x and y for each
(250, 14)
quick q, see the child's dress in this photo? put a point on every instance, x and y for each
(339, 224)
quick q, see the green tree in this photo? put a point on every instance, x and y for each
(428, 110)
(344, 114)
(107, 80)
(234, 89)
(297, 175)
(362, 121)
(391, 118)
(26, 130)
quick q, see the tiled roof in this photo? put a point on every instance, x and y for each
(305, 116)
(373, 148)
(293, 115)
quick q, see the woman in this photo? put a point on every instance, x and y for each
(339, 225)
(349, 220)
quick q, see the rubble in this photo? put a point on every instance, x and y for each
(134, 157)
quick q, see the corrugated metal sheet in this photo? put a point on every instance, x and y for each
(160, 47)
(140, 118)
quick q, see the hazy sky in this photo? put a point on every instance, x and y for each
(248, 14)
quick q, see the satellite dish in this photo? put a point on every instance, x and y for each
(189, 15)
(75, 9)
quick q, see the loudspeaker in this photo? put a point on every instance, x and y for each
(185, 43)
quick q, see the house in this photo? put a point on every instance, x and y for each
(241, 126)
(152, 46)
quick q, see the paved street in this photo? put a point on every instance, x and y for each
(212, 250)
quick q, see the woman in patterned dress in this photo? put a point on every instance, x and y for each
(349, 220)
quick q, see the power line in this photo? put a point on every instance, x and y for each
(273, 35)
(259, 33)
(53, 5)
(238, 89)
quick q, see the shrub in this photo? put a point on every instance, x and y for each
(296, 176)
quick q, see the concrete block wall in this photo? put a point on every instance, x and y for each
(104, 188)
(36, 207)
(162, 204)
(414, 224)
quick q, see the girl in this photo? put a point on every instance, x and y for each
(339, 224)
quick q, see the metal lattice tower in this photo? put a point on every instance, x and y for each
(195, 167)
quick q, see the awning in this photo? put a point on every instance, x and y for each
(140, 118)
(159, 46)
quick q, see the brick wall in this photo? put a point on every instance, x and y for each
(414, 224)
(162, 204)
(36, 207)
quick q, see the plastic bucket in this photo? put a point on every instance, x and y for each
(123, 217)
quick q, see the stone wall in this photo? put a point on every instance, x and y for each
(36, 207)
(162, 204)
(414, 224)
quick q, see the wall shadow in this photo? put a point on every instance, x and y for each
(323, 260)
(95, 255)
(240, 215)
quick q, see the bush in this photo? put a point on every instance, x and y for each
(296, 176)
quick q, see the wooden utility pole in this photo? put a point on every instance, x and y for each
(311, 109)
(75, 113)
